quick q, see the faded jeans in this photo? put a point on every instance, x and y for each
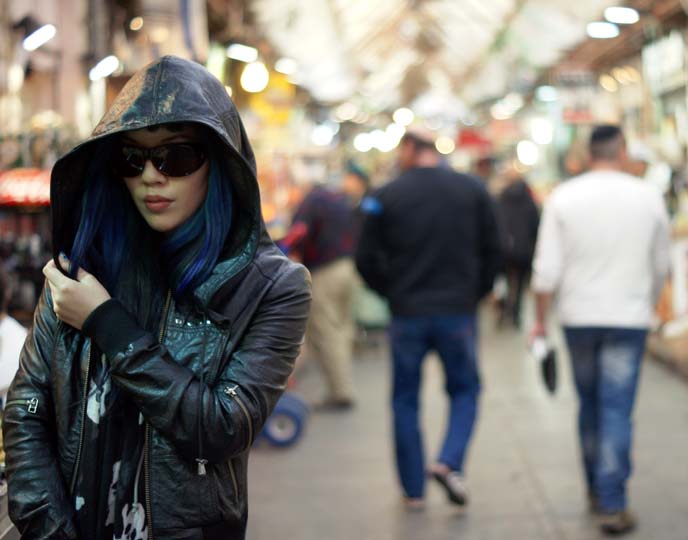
(606, 367)
(454, 338)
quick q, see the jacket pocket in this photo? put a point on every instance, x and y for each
(174, 479)
(227, 489)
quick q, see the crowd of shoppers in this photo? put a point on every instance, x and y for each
(188, 401)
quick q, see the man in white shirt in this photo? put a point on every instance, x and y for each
(603, 250)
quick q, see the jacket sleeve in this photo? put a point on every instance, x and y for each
(371, 256)
(231, 413)
(39, 503)
(301, 227)
(490, 245)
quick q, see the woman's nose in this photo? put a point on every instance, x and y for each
(151, 175)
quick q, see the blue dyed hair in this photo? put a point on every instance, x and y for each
(109, 219)
(192, 251)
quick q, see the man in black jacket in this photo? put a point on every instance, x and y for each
(430, 246)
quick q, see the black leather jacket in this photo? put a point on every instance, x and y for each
(229, 357)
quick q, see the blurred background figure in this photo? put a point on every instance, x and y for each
(603, 248)
(644, 163)
(323, 235)
(518, 218)
(430, 246)
(355, 184)
(12, 336)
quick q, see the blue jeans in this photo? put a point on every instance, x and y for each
(454, 338)
(606, 368)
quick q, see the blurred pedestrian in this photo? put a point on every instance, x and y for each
(166, 331)
(12, 337)
(518, 218)
(324, 233)
(603, 249)
(430, 245)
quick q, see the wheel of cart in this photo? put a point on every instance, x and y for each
(287, 421)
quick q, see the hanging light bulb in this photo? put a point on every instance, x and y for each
(255, 77)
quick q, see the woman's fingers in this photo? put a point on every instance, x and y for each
(53, 275)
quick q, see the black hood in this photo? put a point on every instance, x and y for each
(168, 90)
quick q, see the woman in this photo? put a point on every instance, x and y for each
(166, 333)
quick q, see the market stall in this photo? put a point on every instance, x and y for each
(24, 235)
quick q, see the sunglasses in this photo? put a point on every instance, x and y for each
(175, 159)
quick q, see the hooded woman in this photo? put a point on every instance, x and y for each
(165, 333)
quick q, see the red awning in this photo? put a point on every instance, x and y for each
(474, 140)
(25, 187)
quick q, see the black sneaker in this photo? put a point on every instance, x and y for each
(617, 523)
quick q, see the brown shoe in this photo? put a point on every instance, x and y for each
(617, 523)
(334, 405)
(414, 504)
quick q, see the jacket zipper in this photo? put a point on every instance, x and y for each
(234, 480)
(147, 435)
(231, 391)
(30, 403)
(84, 401)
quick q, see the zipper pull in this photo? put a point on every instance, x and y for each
(33, 405)
(231, 391)
(201, 466)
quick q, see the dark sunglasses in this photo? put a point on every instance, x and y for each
(175, 159)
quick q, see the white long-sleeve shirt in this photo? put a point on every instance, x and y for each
(604, 249)
(12, 337)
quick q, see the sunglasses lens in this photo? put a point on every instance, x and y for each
(128, 161)
(178, 159)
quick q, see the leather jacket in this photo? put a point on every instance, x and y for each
(205, 385)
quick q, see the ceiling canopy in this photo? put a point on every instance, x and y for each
(432, 54)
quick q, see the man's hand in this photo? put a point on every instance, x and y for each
(542, 305)
(74, 301)
(538, 330)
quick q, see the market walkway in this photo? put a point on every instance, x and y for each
(338, 483)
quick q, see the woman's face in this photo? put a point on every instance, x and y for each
(165, 201)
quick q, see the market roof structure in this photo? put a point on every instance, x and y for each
(445, 54)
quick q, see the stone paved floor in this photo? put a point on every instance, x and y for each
(339, 482)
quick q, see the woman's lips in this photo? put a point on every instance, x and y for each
(156, 204)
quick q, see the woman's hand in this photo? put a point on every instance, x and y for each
(74, 301)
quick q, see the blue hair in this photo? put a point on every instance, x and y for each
(109, 219)
(100, 241)
(192, 251)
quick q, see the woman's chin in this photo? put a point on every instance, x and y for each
(161, 225)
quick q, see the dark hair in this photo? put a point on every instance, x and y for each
(353, 168)
(606, 142)
(138, 272)
(418, 142)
